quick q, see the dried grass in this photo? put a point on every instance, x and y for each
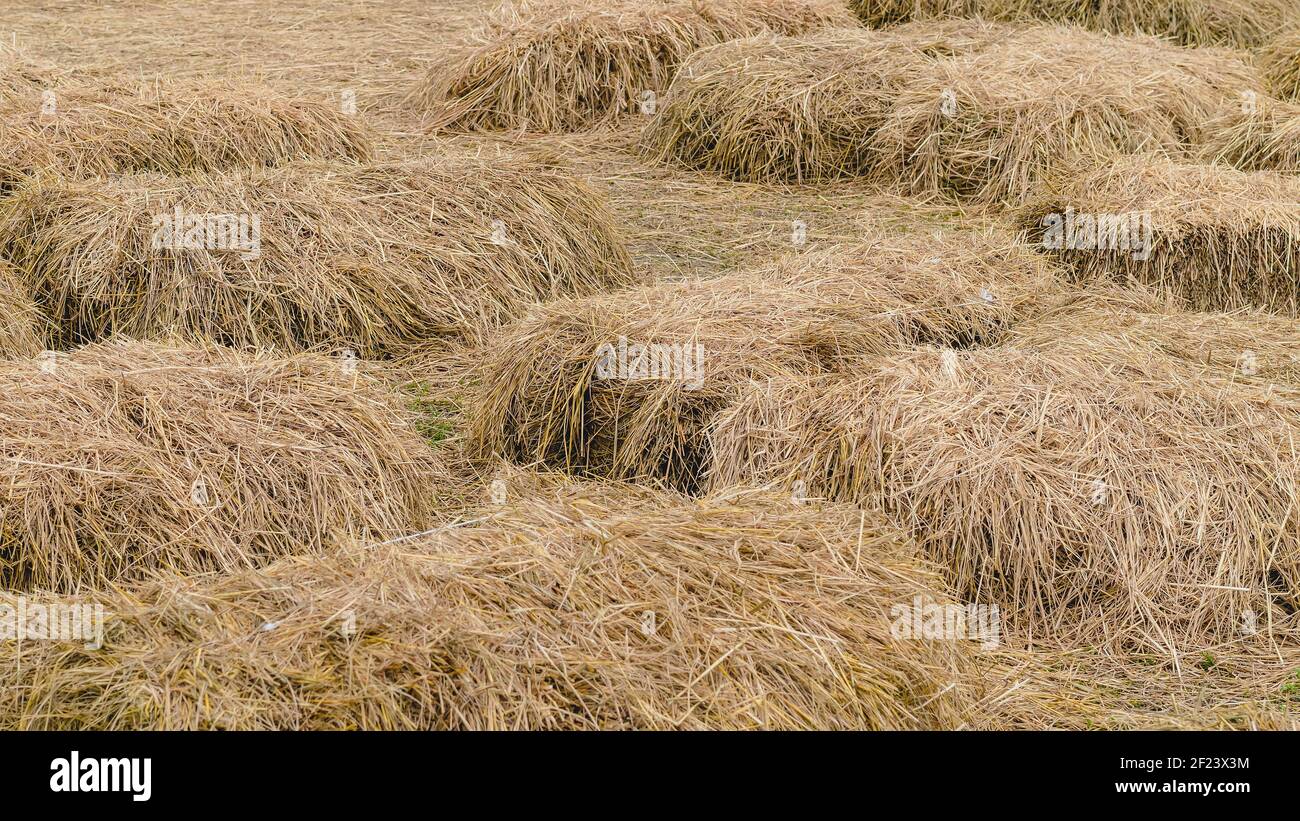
(125, 457)
(21, 328)
(371, 257)
(171, 128)
(990, 125)
(968, 109)
(1098, 499)
(785, 108)
(1259, 135)
(1241, 23)
(542, 401)
(20, 76)
(1220, 239)
(561, 66)
(1243, 683)
(539, 616)
(1246, 345)
(1280, 61)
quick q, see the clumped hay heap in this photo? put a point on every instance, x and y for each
(1250, 345)
(542, 400)
(988, 126)
(371, 257)
(128, 456)
(561, 66)
(21, 330)
(172, 128)
(574, 607)
(967, 109)
(1280, 62)
(1260, 135)
(1242, 23)
(1096, 500)
(1220, 238)
(785, 108)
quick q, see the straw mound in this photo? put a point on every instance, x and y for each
(1280, 61)
(1099, 500)
(173, 129)
(543, 400)
(20, 326)
(1220, 238)
(557, 66)
(1254, 346)
(580, 607)
(1243, 23)
(128, 456)
(785, 108)
(370, 257)
(989, 125)
(1265, 137)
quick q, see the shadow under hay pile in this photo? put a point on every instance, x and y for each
(626, 384)
(373, 257)
(569, 607)
(130, 456)
(564, 66)
(1213, 236)
(1098, 498)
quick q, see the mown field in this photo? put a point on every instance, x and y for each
(712, 364)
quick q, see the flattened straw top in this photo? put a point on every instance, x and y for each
(570, 607)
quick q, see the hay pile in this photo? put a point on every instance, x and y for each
(1219, 238)
(1280, 61)
(1242, 23)
(1264, 137)
(784, 108)
(21, 330)
(1103, 501)
(988, 126)
(1254, 346)
(561, 66)
(576, 607)
(371, 257)
(973, 110)
(128, 456)
(543, 398)
(171, 128)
